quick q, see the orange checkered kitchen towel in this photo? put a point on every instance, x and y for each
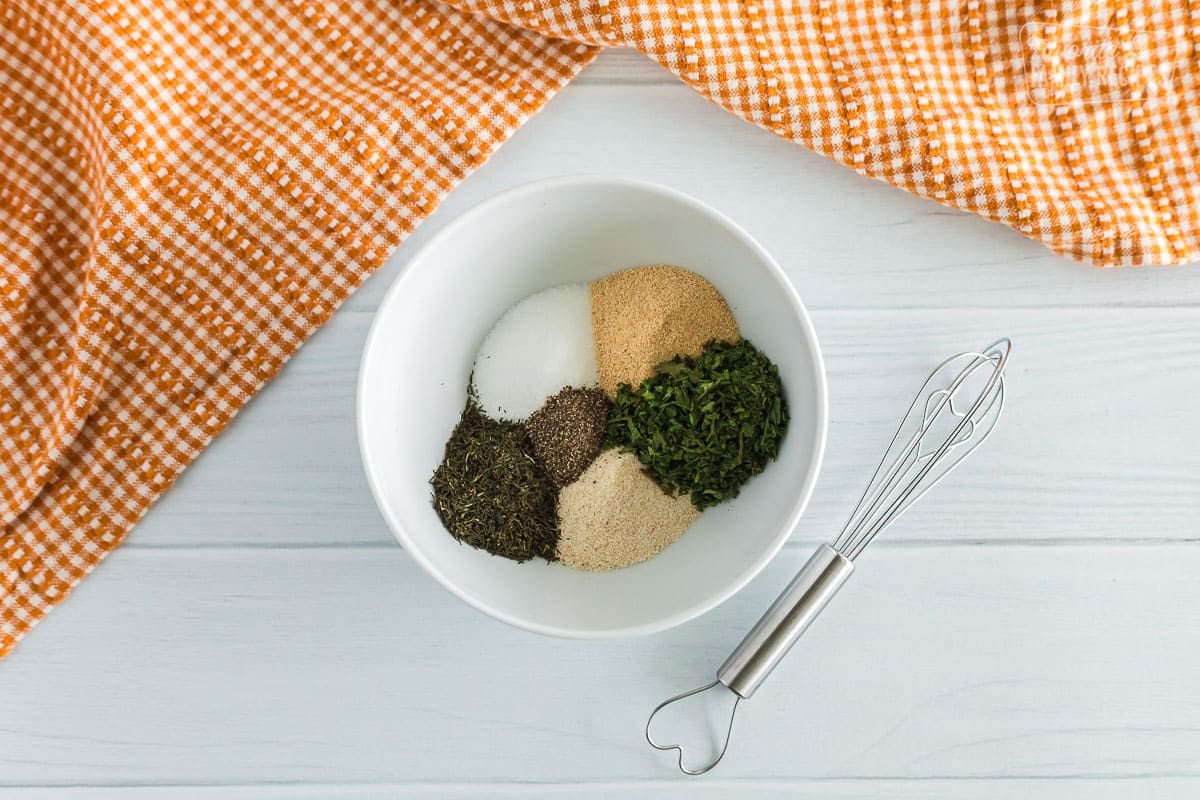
(191, 187)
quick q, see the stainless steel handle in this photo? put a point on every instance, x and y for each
(788, 617)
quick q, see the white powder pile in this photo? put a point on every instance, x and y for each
(540, 345)
(615, 515)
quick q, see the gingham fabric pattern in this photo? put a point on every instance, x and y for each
(189, 191)
(191, 188)
(971, 103)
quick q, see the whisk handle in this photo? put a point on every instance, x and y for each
(788, 617)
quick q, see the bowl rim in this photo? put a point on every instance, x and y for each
(816, 459)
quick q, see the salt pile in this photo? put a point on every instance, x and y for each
(540, 345)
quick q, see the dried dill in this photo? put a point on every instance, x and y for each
(490, 493)
(704, 426)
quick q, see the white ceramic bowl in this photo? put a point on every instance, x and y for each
(418, 356)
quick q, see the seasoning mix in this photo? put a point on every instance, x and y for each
(603, 418)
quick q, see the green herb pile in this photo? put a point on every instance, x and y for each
(491, 494)
(704, 426)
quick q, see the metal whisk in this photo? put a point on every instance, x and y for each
(954, 411)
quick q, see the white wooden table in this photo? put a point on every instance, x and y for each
(1032, 630)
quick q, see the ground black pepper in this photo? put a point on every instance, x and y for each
(568, 431)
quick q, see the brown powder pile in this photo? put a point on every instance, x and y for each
(615, 515)
(644, 316)
(567, 433)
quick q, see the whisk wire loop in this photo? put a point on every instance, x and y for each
(679, 748)
(907, 472)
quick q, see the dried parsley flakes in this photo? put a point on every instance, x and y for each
(491, 494)
(704, 426)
